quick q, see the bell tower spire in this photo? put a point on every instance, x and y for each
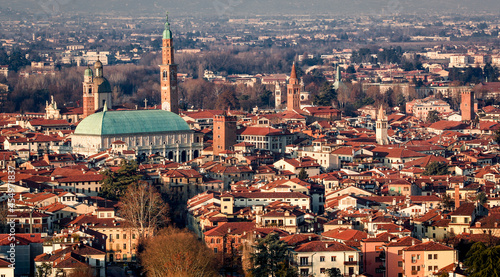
(293, 91)
(168, 71)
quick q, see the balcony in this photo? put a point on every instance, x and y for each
(351, 263)
(304, 264)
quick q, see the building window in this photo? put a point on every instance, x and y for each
(435, 256)
(124, 246)
(334, 258)
(215, 250)
(400, 263)
(429, 256)
(322, 258)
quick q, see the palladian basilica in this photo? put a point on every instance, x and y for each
(147, 131)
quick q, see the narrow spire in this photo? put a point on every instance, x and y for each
(167, 24)
(381, 113)
(167, 34)
(294, 72)
(105, 108)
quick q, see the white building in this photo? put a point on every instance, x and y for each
(315, 257)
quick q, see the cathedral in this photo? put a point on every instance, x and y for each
(96, 90)
(146, 131)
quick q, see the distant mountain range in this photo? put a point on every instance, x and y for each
(226, 8)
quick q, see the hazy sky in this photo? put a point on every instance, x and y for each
(227, 8)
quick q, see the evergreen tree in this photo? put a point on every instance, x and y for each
(436, 168)
(116, 183)
(271, 258)
(481, 197)
(432, 117)
(483, 261)
(326, 95)
(303, 175)
(333, 272)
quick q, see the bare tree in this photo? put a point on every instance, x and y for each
(175, 252)
(143, 208)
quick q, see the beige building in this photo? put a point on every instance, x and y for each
(121, 243)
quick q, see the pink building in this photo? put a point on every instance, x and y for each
(427, 258)
(374, 254)
(394, 255)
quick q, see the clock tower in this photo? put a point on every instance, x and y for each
(168, 72)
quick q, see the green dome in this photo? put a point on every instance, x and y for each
(167, 34)
(88, 72)
(131, 122)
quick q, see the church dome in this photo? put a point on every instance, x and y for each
(102, 84)
(88, 72)
(98, 64)
(131, 122)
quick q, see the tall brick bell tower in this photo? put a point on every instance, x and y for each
(168, 71)
(467, 105)
(224, 133)
(293, 92)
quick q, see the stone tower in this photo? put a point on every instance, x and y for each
(96, 90)
(224, 133)
(102, 88)
(293, 92)
(88, 92)
(381, 127)
(168, 71)
(467, 105)
(278, 96)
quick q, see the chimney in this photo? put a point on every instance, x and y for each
(457, 196)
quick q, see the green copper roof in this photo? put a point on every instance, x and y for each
(167, 34)
(131, 122)
(88, 72)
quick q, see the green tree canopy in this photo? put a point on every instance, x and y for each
(271, 258)
(432, 117)
(447, 202)
(325, 96)
(115, 183)
(333, 272)
(303, 174)
(436, 168)
(483, 261)
(481, 197)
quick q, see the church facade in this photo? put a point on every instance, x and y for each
(146, 132)
(96, 90)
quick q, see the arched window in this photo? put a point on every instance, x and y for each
(165, 75)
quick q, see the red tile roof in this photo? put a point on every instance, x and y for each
(323, 246)
(429, 246)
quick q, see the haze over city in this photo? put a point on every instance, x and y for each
(249, 138)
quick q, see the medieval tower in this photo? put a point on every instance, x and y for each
(168, 71)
